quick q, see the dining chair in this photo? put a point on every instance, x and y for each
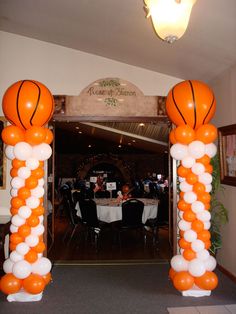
(102, 194)
(89, 218)
(132, 212)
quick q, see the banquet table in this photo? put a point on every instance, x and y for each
(109, 210)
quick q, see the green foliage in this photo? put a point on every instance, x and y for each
(219, 214)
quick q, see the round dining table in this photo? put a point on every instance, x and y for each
(110, 210)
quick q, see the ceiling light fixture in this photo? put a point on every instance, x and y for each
(169, 17)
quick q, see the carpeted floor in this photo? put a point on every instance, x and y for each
(116, 289)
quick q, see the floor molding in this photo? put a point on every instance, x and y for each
(227, 273)
(109, 262)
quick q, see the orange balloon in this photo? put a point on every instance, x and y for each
(190, 102)
(12, 246)
(209, 168)
(204, 235)
(16, 163)
(38, 173)
(181, 194)
(34, 284)
(14, 211)
(17, 202)
(28, 103)
(15, 238)
(197, 225)
(181, 233)
(31, 256)
(207, 244)
(35, 135)
(10, 284)
(182, 171)
(208, 281)
(38, 211)
(206, 133)
(184, 134)
(205, 160)
(191, 178)
(40, 247)
(189, 254)
(204, 197)
(31, 182)
(172, 137)
(199, 187)
(23, 193)
(49, 136)
(47, 278)
(182, 205)
(11, 135)
(172, 273)
(184, 244)
(207, 206)
(13, 172)
(41, 163)
(183, 281)
(24, 230)
(32, 221)
(189, 215)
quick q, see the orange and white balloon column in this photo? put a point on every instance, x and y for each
(28, 105)
(190, 105)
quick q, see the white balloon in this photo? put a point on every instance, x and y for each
(208, 188)
(210, 150)
(42, 151)
(190, 235)
(32, 163)
(181, 179)
(22, 248)
(17, 183)
(13, 228)
(204, 215)
(15, 257)
(32, 202)
(37, 192)
(197, 207)
(21, 269)
(41, 182)
(179, 263)
(198, 168)
(188, 162)
(184, 225)
(203, 255)
(185, 187)
(22, 150)
(17, 220)
(40, 255)
(41, 219)
(196, 267)
(31, 240)
(210, 263)
(14, 192)
(205, 178)
(197, 245)
(190, 197)
(180, 214)
(179, 151)
(38, 230)
(42, 266)
(8, 265)
(207, 225)
(9, 152)
(196, 149)
(24, 172)
(24, 212)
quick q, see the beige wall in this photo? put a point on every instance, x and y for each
(65, 71)
(225, 92)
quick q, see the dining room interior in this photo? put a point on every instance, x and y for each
(109, 164)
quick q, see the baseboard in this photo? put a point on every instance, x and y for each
(227, 273)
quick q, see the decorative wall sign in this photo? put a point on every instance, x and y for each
(110, 97)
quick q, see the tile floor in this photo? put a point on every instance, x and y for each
(214, 309)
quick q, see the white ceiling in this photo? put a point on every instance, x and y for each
(119, 30)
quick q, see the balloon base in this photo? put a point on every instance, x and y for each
(196, 292)
(24, 297)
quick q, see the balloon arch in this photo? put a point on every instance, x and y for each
(28, 105)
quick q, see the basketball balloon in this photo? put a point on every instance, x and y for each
(190, 102)
(28, 103)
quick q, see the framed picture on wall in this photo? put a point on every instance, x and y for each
(227, 149)
(2, 157)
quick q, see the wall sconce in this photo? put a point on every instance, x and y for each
(169, 17)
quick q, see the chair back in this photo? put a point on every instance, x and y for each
(102, 194)
(132, 212)
(88, 210)
(70, 211)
